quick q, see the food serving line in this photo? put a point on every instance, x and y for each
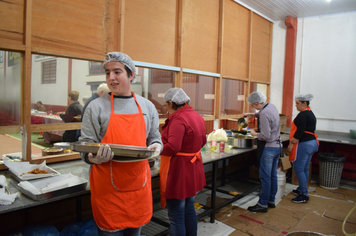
(81, 169)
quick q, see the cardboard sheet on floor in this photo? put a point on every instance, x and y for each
(321, 215)
(218, 228)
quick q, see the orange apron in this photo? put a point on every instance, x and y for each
(293, 129)
(121, 195)
(164, 168)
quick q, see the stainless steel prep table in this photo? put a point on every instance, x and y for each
(78, 168)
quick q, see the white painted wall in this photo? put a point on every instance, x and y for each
(277, 70)
(325, 67)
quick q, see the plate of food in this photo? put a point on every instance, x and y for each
(23, 171)
(124, 153)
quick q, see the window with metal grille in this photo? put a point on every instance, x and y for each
(49, 72)
(96, 68)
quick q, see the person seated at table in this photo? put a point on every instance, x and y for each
(74, 109)
(101, 90)
(85, 99)
(40, 106)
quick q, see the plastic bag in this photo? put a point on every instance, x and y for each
(219, 135)
(89, 229)
(40, 231)
(72, 229)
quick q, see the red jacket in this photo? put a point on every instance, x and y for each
(184, 131)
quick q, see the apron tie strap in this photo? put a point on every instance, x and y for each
(315, 135)
(197, 156)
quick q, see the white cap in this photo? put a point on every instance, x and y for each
(176, 95)
(304, 97)
(256, 97)
(122, 58)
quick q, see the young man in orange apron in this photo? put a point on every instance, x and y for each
(303, 143)
(121, 194)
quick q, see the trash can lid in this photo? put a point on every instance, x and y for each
(331, 157)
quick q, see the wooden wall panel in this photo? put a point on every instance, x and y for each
(260, 53)
(236, 41)
(200, 35)
(150, 31)
(12, 24)
(76, 28)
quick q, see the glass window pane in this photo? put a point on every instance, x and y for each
(201, 90)
(10, 88)
(152, 84)
(232, 97)
(69, 75)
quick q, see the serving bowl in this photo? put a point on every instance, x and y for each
(52, 151)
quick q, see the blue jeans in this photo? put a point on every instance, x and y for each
(268, 175)
(301, 164)
(124, 232)
(182, 217)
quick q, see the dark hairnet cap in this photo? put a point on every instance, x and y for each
(256, 97)
(304, 97)
(176, 95)
(122, 58)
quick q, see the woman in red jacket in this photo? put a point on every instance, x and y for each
(181, 172)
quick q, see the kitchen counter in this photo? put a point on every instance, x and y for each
(78, 168)
(81, 169)
(330, 136)
(335, 137)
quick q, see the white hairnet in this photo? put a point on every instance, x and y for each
(176, 95)
(124, 59)
(256, 97)
(304, 97)
(103, 88)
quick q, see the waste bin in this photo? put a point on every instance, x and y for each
(330, 169)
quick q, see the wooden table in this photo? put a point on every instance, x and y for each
(49, 136)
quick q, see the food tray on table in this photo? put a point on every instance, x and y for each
(50, 173)
(22, 171)
(123, 153)
(56, 193)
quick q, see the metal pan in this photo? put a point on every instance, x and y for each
(56, 193)
(240, 142)
(239, 131)
(135, 152)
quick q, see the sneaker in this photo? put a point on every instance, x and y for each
(257, 208)
(296, 192)
(300, 199)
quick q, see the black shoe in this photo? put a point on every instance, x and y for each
(296, 192)
(257, 208)
(271, 205)
(300, 199)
